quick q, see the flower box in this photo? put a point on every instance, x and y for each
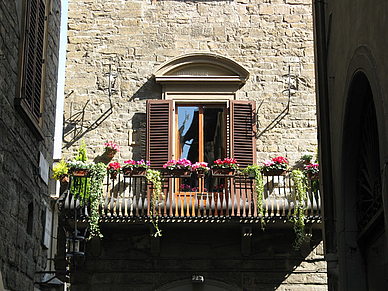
(200, 168)
(179, 173)
(223, 172)
(81, 172)
(135, 172)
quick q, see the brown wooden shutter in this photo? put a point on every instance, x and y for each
(243, 132)
(159, 132)
(33, 56)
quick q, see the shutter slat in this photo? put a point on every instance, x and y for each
(159, 132)
(243, 137)
(33, 56)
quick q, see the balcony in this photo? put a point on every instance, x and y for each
(128, 199)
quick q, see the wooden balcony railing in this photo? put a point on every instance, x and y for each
(129, 198)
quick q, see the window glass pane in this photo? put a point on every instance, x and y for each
(188, 131)
(214, 140)
(214, 143)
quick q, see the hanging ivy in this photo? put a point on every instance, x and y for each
(255, 171)
(299, 217)
(154, 177)
(95, 193)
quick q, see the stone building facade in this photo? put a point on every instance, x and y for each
(353, 99)
(121, 55)
(27, 102)
(135, 38)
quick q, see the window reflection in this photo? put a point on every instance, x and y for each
(212, 134)
(188, 130)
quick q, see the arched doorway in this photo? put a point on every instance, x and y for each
(363, 217)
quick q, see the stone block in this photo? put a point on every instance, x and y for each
(266, 9)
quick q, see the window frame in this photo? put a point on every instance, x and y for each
(201, 125)
(231, 126)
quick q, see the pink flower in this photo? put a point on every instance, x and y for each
(114, 166)
(200, 166)
(312, 166)
(112, 145)
(268, 163)
(280, 160)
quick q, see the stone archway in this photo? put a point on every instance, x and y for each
(188, 285)
(362, 203)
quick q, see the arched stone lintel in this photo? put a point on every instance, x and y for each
(201, 68)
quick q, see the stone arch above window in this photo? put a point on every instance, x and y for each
(201, 76)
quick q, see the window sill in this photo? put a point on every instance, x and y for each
(30, 121)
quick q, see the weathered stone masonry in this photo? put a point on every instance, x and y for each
(22, 253)
(136, 37)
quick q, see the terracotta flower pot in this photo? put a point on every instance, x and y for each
(110, 153)
(64, 179)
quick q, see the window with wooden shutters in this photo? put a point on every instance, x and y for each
(32, 67)
(159, 132)
(160, 126)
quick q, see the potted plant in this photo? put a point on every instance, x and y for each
(111, 148)
(79, 167)
(181, 167)
(135, 168)
(113, 169)
(201, 168)
(60, 172)
(225, 167)
(275, 167)
(312, 171)
(307, 159)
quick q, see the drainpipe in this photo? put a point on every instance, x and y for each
(324, 140)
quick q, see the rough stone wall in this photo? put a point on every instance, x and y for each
(136, 37)
(124, 261)
(22, 254)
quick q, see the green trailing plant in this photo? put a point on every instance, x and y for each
(95, 193)
(154, 177)
(299, 217)
(82, 153)
(60, 169)
(80, 185)
(255, 172)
